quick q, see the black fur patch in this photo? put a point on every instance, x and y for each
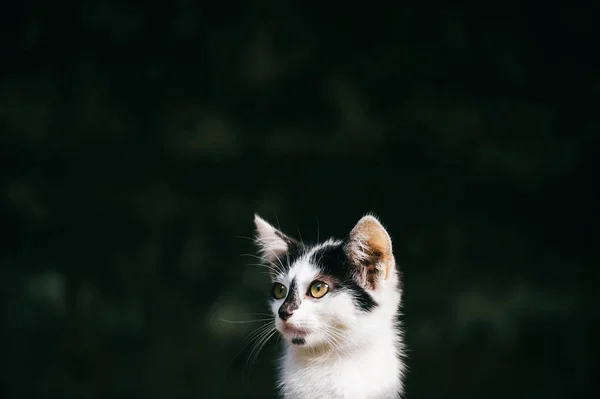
(295, 250)
(362, 298)
(291, 303)
(298, 341)
(334, 261)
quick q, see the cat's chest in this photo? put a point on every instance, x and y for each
(363, 376)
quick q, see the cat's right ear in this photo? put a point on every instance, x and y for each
(272, 243)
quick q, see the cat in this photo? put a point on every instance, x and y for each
(336, 304)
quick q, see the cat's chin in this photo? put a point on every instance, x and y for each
(297, 339)
(300, 341)
(294, 335)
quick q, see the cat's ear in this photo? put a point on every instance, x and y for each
(272, 243)
(370, 250)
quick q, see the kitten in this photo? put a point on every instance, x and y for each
(336, 305)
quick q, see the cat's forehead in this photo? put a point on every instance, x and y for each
(302, 271)
(314, 260)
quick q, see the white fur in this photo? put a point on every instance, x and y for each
(348, 354)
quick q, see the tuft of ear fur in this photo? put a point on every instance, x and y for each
(272, 243)
(370, 250)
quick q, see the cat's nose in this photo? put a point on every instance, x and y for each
(284, 313)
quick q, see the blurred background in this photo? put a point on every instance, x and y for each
(138, 139)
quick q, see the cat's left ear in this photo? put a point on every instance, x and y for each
(370, 251)
(272, 243)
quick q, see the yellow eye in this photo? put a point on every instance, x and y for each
(279, 291)
(318, 289)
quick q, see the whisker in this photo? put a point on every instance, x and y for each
(275, 267)
(243, 321)
(245, 238)
(278, 266)
(259, 345)
(252, 337)
(282, 267)
(300, 235)
(269, 267)
(334, 336)
(277, 220)
(253, 256)
(318, 240)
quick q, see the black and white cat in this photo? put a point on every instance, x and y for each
(336, 305)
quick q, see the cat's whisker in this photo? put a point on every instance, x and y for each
(300, 235)
(253, 256)
(245, 238)
(335, 337)
(337, 348)
(244, 321)
(275, 268)
(287, 256)
(269, 267)
(318, 239)
(254, 335)
(279, 265)
(260, 258)
(259, 345)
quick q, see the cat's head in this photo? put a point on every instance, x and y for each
(333, 291)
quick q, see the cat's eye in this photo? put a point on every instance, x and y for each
(318, 289)
(279, 291)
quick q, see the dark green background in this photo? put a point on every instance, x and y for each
(137, 140)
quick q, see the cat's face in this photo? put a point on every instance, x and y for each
(321, 292)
